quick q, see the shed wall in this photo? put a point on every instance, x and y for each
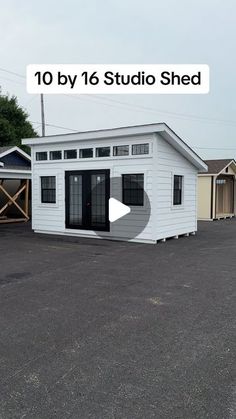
(159, 167)
(174, 220)
(51, 217)
(204, 197)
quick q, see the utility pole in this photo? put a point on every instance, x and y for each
(42, 115)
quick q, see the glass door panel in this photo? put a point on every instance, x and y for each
(75, 200)
(87, 197)
(98, 200)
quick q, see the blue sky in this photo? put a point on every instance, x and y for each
(128, 31)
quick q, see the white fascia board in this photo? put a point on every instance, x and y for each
(13, 149)
(162, 128)
(95, 135)
(184, 149)
(15, 174)
(227, 165)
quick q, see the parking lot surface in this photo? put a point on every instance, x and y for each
(102, 329)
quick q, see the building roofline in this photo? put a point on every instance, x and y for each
(227, 165)
(220, 171)
(94, 132)
(161, 128)
(12, 150)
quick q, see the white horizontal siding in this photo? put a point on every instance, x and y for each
(173, 220)
(127, 227)
(158, 168)
(51, 218)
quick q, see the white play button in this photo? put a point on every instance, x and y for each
(117, 209)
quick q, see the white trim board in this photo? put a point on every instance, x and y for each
(18, 150)
(15, 174)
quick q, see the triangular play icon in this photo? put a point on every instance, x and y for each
(117, 209)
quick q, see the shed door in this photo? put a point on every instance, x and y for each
(87, 198)
(224, 195)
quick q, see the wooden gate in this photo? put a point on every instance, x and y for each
(12, 200)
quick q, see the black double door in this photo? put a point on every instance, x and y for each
(87, 198)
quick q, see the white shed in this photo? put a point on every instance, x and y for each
(148, 168)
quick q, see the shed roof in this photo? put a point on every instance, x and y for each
(216, 166)
(9, 167)
(161, 128)
(6, 150)
(3, 149)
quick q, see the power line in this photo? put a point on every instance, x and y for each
(144, 108)
(33, 122)
(30, 100)
(100, 100)
(153, 110)
(141, 108)
(42, 115)
(38, 126)
(54, 126)
(193, 146)
(12, 72)
(13, 81)
(214, 148)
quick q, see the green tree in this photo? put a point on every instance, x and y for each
(14, 124)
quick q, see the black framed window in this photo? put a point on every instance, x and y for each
(178, 190)
(121, 150)
(48, 189)
(103, 152)
(70, 154)
(140, 149)
(55, 155)
(133, 189)
(85, 153)
(41, 155)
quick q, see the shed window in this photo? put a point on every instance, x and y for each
(121, 150)
(132, 189)
(70, 154)
(220, 181)
(86, 153)
(178, 190)
(48, 189)
(41, 155)
(140, 149)
(55, 155)
(103, 152)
